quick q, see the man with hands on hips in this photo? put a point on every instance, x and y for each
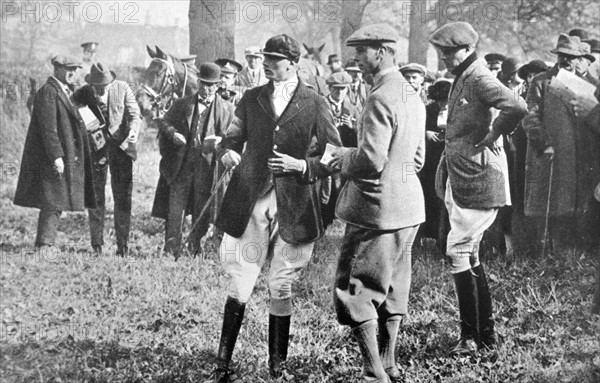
(271, 208)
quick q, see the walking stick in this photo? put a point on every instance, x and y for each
(213, 193)
(547, 209)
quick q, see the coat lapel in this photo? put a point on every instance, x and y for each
(456, 92)
(264, 100)
(63, 97)
(189, 111)
(296, 104)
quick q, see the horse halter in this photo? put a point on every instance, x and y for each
(162, 100)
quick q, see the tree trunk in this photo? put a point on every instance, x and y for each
(212, 29)
(418, 35)
(352, 15)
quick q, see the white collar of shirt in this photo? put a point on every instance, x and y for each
(282, 94)
(336, 103)
(382, 73)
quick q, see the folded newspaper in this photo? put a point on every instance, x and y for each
(576, 84)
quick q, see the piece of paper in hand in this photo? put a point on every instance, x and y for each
(576, 84)
(328, 155)
(212, 137)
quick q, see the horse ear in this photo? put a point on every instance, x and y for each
(321, 47)
(151, 52)
(306, 47)
(160, 53)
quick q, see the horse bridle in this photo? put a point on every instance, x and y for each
(162, 100)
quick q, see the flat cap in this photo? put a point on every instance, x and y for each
(253, 51)
(90, 46)
(66, 61)
(494, 58)
(282, 46)
(373, 34)
(454, 35)
(229, 66)
(339, 79)
(413, 67)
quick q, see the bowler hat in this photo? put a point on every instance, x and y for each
(594, 45)
(413, 67)
(253, 51)
(579, 32)
(65, 61)
(534, 67)
(454, 35)
(100, 75)
(352, 66)
(339, 80)
(569, 45)
(209, 72)
(440, 90)
(282, 46)
(229, 66)
(373, 34)
(494, 58)
(510, 66)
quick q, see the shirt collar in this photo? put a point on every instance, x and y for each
(63, 86)
(382, 73)
(292, 83)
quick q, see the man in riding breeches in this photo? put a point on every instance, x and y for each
(271, 210)
(187, 144)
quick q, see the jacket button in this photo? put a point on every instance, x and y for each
(274, 147)
(277, 128)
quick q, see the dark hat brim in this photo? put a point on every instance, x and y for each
(209, 80)
(590, 57)
(367, 42)
(275, 54)
(105, 81)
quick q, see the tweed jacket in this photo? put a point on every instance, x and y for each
(243, 78)
(477, 176)
(383, 191)
(56, 130)
(576, 162)
(123, 111)
(302, 131)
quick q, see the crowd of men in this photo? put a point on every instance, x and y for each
(411, 154)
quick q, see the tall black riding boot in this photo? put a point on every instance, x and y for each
(466, 290)
(388, 332)
(279, 335)
(487, 337)
(232, 321)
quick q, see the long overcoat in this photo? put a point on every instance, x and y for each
(383, 191)
(179, 119)
(302, 131)
(576, 162)
(477, 175)
(56, 130)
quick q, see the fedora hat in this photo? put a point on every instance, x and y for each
(209, 72)
(568, 45)
(586, 48)
(100, 75)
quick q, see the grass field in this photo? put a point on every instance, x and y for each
(68, 316)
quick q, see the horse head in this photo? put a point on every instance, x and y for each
(313, 53)
(165, 79)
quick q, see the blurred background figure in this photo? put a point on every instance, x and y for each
(359, 89)
(253, 74)
(229, 71)
(335, 64)
(494, 62)
(415, 75)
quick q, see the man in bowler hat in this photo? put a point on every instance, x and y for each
(113, 103)
(271, 212)
(472, 177)
(187, 140)
(373, 276)
(56, 169)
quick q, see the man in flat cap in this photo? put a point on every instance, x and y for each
(271, 210)
(359, 89)
(372, 281)
(415, 75)
(472, 175)
(56, 169)
(227, 89)
(114, 105)
(344, 113)
(253, 74)
(494, 62)
(187, 138)
(563, 161)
